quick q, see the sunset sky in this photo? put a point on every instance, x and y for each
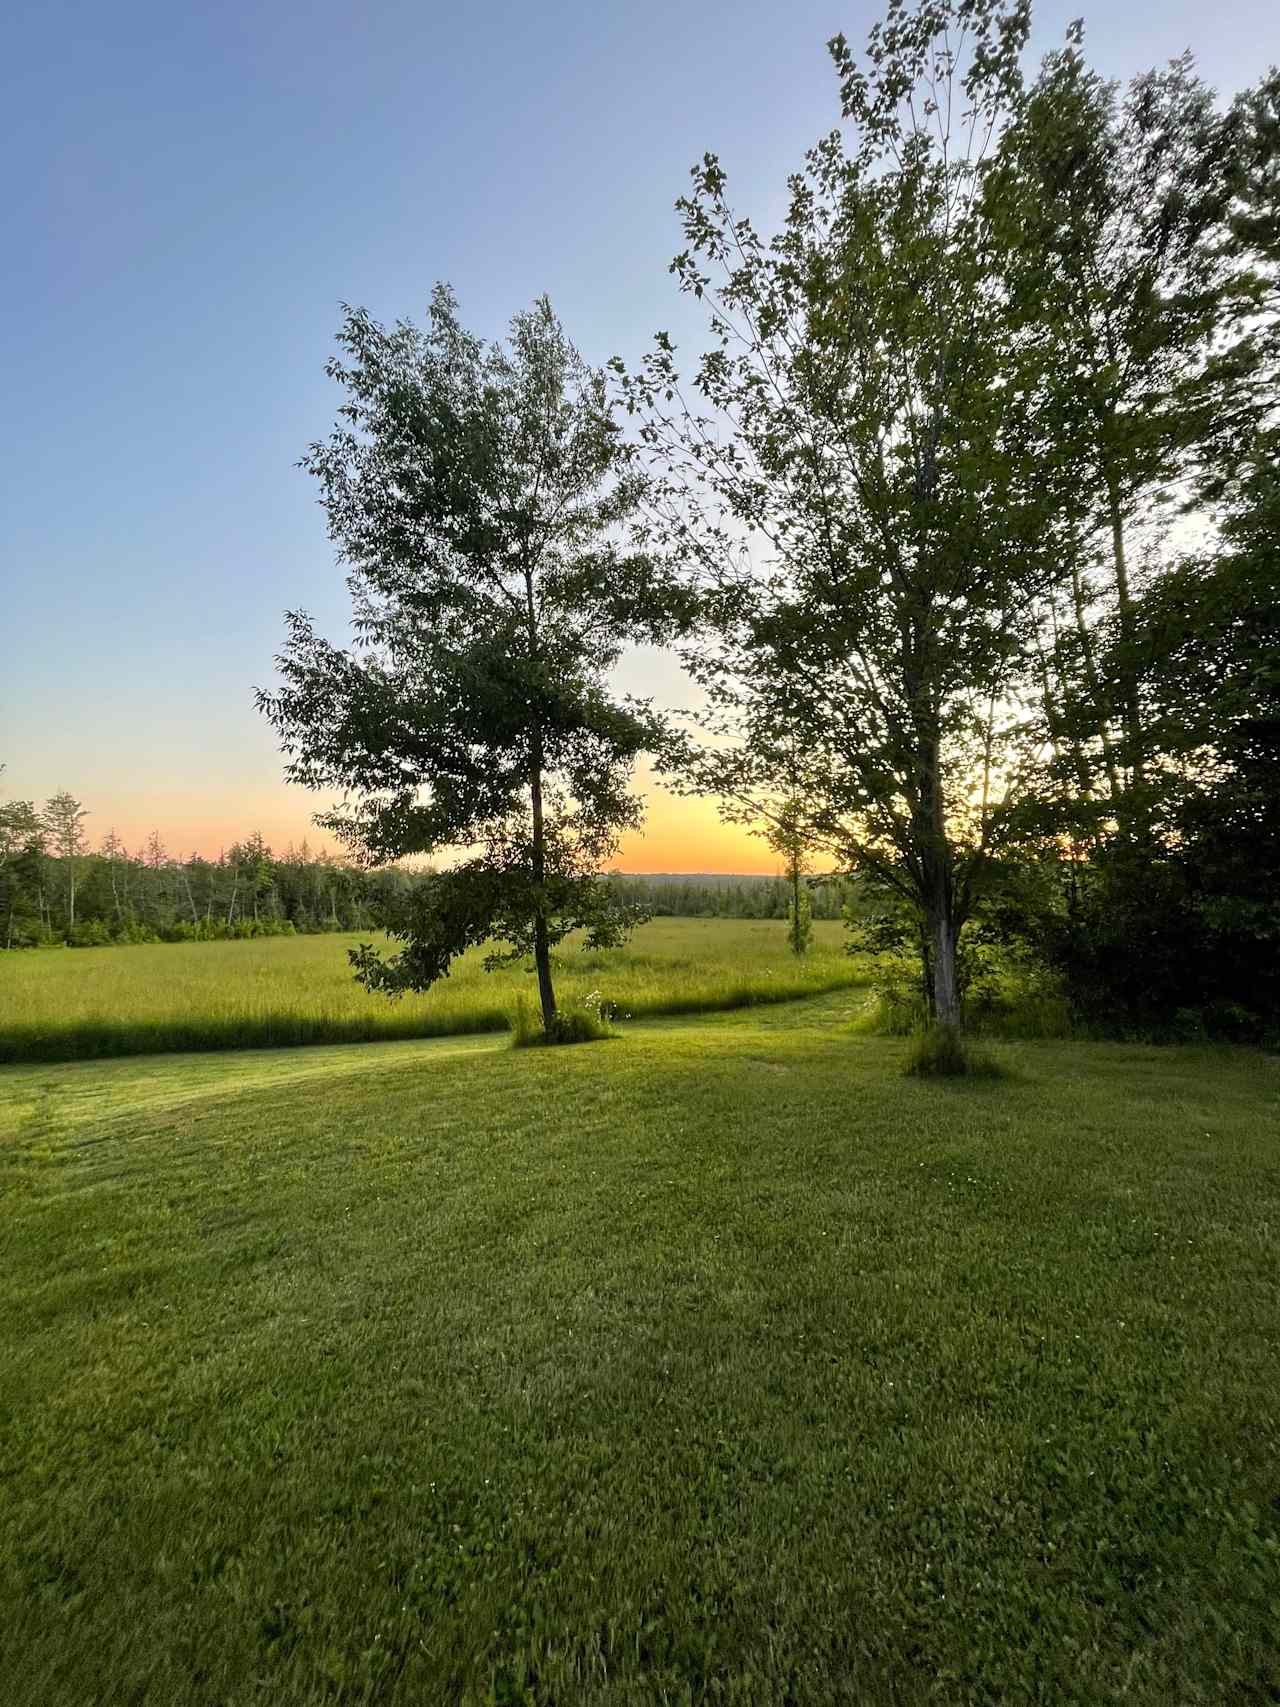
(191, 190)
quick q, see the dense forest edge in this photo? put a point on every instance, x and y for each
(56, 892)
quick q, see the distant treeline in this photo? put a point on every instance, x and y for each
(56, 889)
(711, 896)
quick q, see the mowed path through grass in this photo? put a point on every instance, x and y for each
(716, 1363)
(74, 1004)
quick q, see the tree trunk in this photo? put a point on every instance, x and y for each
(542, 960)
(1062, 740)
(946, 988)
(541, 945)
(926, 965)
(796, 942)
(937, 888)
(1094, 681)
(1124, 600)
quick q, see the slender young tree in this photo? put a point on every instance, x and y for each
(786, 834)
(116, 855)
(867, 433)
(477, 493)
(64, 818)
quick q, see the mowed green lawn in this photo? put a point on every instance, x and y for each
(72, 1004)
(717, 1363)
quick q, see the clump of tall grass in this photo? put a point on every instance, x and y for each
(586, 1021)
(942, 1052)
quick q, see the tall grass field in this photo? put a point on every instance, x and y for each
(75, 1004)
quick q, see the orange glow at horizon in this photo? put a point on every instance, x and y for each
(689, 835)
(679, 835)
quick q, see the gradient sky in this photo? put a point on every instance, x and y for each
(190, 190)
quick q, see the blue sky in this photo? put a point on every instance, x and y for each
(190, 191)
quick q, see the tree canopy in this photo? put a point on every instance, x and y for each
(479, 498)
(865, 479)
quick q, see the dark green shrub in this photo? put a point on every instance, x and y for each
(1146, 948)
(93, 933)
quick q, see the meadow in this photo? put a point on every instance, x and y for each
(72, 1004)
(716, 1362)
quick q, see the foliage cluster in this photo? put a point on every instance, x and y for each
(1013, 327)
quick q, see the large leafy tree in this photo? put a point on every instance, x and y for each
(1147, 265)
(477, 493)
(863, 473)
(1122, 267)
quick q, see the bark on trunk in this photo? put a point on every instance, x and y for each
(1094, 681)
(542, 961)
(796, 944)
(541, 945)
(946, 989)
(1124, 600)
(936, 870)
(926, 967)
